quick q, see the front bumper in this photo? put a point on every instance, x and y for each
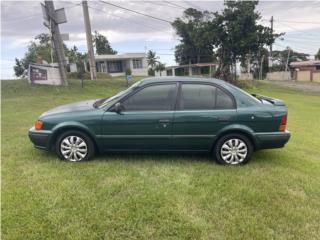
(40, 138)
(272, 140)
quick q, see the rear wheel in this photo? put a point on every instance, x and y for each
(233, 149)
(74, 146)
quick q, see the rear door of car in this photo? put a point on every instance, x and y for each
(145, 122)
(202, 110)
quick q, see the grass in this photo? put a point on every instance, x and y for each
(148, 196)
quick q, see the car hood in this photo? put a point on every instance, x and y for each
(72, 107)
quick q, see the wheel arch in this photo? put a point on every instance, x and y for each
(236, 129)
(60, 128)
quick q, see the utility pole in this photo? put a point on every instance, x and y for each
(57, 41)
(287, 60)
(261, 65)
(93, 71)
(270, 55)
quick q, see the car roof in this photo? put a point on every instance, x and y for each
(181, 79)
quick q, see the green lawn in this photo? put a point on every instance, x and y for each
(148, 196)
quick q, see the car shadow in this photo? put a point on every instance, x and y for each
(259, 157)
(149, 156)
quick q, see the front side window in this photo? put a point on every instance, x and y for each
(137, 63)
(152, 98)
(203, 97)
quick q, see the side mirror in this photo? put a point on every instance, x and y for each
(118, 108)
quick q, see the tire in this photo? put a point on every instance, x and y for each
(233, 149)
(75, 144)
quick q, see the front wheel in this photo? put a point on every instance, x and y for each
(233, 149)
(74, 146)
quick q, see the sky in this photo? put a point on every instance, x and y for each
(21, 21)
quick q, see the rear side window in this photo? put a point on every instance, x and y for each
(203, 97)
(224, 101)
(152, 98)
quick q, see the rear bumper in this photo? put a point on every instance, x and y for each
(272, 140)
(40, 138)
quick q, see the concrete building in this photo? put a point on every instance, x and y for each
(306, 70)
(116, 65)
(197, 69)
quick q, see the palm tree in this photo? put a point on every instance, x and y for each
(160, 67)
(152, 59)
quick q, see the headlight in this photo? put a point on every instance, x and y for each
(38, 125)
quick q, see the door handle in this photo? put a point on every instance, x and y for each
(164, 121)
(224, 119)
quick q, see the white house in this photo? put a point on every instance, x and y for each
(197, 69)
(116, 65)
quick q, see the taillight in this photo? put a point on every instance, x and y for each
(38, 125)
(283, 124)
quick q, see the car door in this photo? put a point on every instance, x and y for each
(145, 123)
(202, 110)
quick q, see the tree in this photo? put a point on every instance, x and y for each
(160, 67)
(102, 44)
(238, 35)
(231, 35)
(40, 47)
(152, 59)
(19, 69)
(195, 42)
(317, 56)
(281, 57)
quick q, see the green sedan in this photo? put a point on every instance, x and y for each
(167, 114)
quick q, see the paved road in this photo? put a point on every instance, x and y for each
(303, 86)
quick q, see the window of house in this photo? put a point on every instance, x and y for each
(203, 97)
(152, 98)
(137, 63)
(114, 66)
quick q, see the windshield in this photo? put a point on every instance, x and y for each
(108, 101)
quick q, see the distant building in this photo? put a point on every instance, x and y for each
(116, 65)
(306, 70)
(197, 69)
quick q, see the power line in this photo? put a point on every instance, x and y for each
(131, 21)
(297, 48)
(194, 6)
(174, 4)
(134, 11)
(20, 19)
(298, 22)
(163, 4)
(297, 30)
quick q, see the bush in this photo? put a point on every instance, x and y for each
(151, 72)
(86, 75)
(128, 72)
(101, 75)
(77, 75)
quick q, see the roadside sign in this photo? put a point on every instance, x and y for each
(129, 77)
(46, 21)
(60, 16)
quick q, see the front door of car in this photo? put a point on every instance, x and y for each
(202, 110)
(145, 121)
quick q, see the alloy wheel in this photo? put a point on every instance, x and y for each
(234, 151)
(73, 148)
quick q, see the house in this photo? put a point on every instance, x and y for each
(197, 69)
(306, 70)
(116, 65)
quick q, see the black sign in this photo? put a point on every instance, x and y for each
(38, 74)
